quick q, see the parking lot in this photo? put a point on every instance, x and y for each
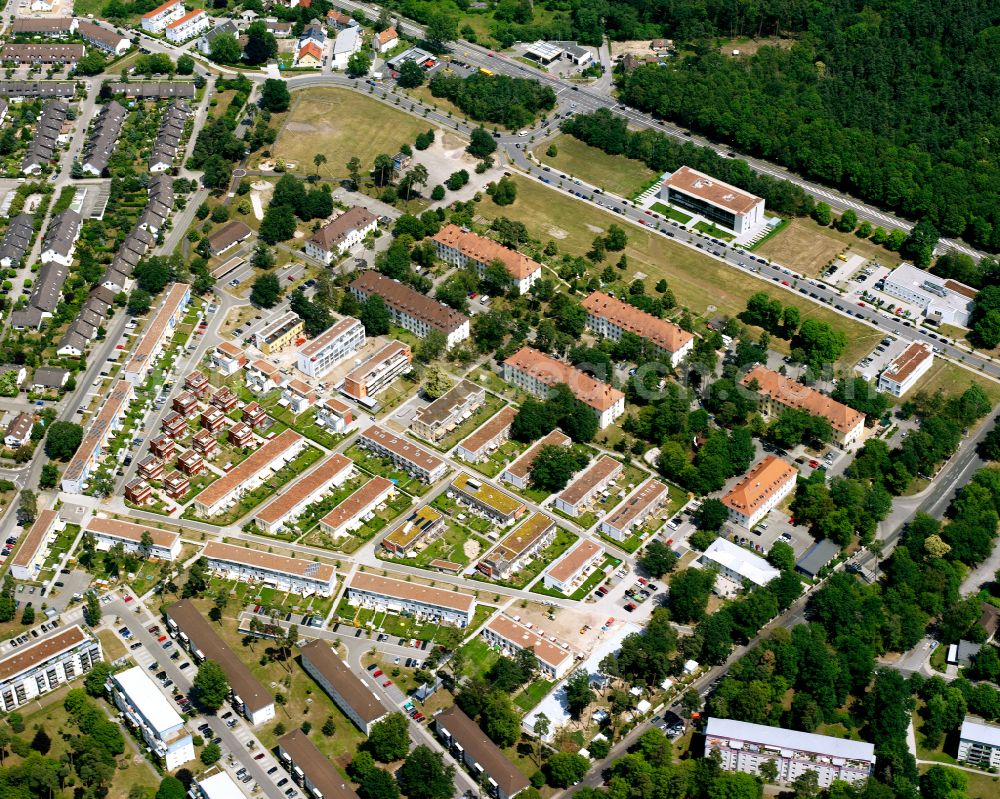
(879, 358)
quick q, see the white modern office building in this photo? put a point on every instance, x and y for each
(941, 300)
(737, 564)
(745, 747)
(150, 712)
(719, 202)
(906, 369)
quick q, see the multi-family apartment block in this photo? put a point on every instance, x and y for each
(581, 493)
(249, 474)
(334, 415)
(745, 747)
(518, 473)
(339, 341)
(156, 21)
(43, 665)
(570, 571)
(152, 715)
(486, 498)
(27, 561)
(102, 428)
(295, 575)
(536, 373)
(635, 509)
(520, 546)
(410, 309)
(335, 677)
(187, 27)
(163, 544)
(462, 248)
(488, 437)
(610, 317)
(377, 373)
(404, 454)
(188, 623)
(422, 601)
(311, 769)
(469, 745)
(777, 392)
(760, 491)
(979, 743)
(511, 637)
(353, 511)
(280, 333)
(436, 420)
(337, 237)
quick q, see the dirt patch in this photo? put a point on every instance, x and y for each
(639, 47)
(558, 233)
(747, 47)
(595, 229)
(565, 625)
(471, 549)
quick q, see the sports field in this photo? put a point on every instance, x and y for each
(701, 283)
(341, 124)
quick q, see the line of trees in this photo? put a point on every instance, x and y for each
(500, 99)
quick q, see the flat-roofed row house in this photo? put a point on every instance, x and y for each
(486, 498)
(422, 601)
(294, 575)
(419, 529)
(519, 547)
(435, 421)
(151, 714)
(537, 373)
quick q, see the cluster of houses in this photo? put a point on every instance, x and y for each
(63, 53)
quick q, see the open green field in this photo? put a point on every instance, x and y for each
(954, 379)
(671, 213)
(697, 281)
(343, 124)
(616, 174)
(806, 247)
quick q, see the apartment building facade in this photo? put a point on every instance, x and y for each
(422, 601)
(435, 421)
(979, 743)
(581, 492)
(610, 317)
(377, 373)
(468, 744)
(293, 575)
(461, 248)
(156, 21)
(536, 373)
(488, 437)
(43, 665)
(337, 237)
(761, 490)
(635, 509)
(339, 341)
(151, 714)
(404, 454)
(163, 544)
(511, 637)
(906, 369)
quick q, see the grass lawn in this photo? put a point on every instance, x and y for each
(712, 230)
(807, 248)
(980, 786)
(479, 657)
(340, 121)
(953, 379)
(490, 407)
(616, 174)
(671, 213)
(495, 461)
(563, 540)
(532, 694)
(365, 459)
(697, 280)
(112, 645)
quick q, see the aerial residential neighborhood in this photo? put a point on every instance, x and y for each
(463, 400)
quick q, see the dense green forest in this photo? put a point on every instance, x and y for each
(895, 102)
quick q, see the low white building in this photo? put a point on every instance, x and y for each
(187, 27)
(979, 743)
(148, 710)
(44, 664)
(511, 637)
(296, 575)
(737, 564)
(942, 300)
(745, 747)
(217, 786)
(334, 415)
(339, 341)
(164, 544)
(347, 43)
(157, 20)
(422, 601)
(906, 369)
